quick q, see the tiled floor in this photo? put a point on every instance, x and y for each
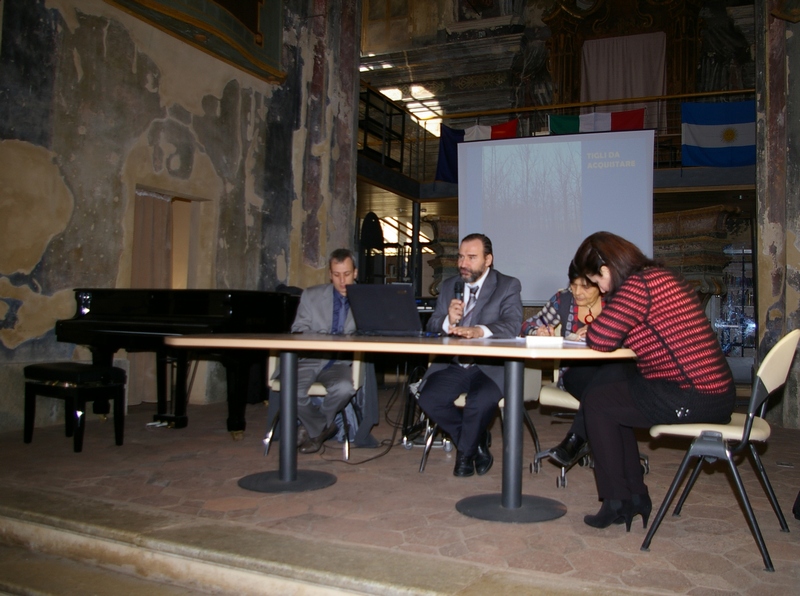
(380, 501)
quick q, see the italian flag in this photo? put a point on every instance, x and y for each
(597, 122)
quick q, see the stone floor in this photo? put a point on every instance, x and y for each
(399, 528)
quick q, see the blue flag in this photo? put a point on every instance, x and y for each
(718, 134)
(447, 166)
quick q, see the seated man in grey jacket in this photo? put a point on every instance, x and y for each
(479, 302)
(324, 309)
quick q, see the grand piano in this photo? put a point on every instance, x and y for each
(107, 320)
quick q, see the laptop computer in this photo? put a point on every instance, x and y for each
(386, 310)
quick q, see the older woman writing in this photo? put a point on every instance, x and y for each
(681, 375)
(573, 309)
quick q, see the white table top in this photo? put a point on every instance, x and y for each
(451, 346)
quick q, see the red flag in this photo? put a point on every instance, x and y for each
(628, 120)
(507, 130)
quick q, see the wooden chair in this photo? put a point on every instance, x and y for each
(316, 390)
(724, 442)
(76, 383)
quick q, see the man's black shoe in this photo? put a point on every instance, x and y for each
(484, 458)
(465, 465)
(315, 444)
(302, 435)
(567, 450)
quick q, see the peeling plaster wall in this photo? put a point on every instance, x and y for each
(95, 103)
(777, 247)
(787, 413)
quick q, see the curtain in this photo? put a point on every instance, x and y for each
(622, 67)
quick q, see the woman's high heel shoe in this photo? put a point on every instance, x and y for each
(611, 512)
(641, 505)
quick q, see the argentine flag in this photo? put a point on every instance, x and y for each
(718, 134)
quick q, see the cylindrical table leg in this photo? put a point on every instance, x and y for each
(288, 420)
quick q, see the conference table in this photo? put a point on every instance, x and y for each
(510, 505)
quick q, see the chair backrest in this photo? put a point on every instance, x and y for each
(774, 369)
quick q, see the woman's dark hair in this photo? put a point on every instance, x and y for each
(574, 274)
(622, 257)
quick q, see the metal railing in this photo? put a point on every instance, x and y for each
(392, 135)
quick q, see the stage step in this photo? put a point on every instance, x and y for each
(171, 553)
(27, 572)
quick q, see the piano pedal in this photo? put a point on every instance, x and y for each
(237, 435)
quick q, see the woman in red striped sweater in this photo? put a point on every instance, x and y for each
(680, 375)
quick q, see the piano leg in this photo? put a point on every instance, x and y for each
(164, 359)
(181, 397)
(237, 372)
(101, 357)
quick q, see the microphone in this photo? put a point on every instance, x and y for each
(459, 291)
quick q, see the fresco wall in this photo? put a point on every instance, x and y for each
(95, 104)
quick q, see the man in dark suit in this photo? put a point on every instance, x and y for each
(491, 306)
(325, 309)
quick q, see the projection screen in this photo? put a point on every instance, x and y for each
(537, 198)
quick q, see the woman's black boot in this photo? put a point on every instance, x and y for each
(641, 505)
(612, 511)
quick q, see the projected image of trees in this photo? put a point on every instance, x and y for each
(541, 182)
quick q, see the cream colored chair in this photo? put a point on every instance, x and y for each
(532, 381)
(316, 390)
(714, 442)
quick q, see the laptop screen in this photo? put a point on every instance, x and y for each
(384, 309)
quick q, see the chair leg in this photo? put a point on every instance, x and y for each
(270, 433)
(667, 500)
(346, 443)
(119, 416)
(79, 416)
(537, 461)
(30, 413)
(768, 488)
(430, 432)
(751, 518)
(689, 485)
(532, 428)
(69, 416)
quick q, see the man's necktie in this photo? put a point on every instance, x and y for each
(466, 320)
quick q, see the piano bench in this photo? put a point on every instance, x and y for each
(75, 383)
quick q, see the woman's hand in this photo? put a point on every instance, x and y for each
(546, 330)
(581, 333)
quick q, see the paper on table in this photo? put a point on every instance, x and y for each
(575, 340)
(544, 341)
